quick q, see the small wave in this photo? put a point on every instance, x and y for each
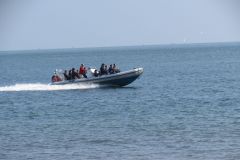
(45, 87)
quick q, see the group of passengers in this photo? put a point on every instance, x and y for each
(82, 72)
(104, 70)
(72, 74)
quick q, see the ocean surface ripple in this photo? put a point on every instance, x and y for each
(185, 106)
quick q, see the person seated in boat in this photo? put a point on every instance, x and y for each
(102, 69)
(95, 73)
(66, 76)
(83, 71)
(105, 70)
(56, 78)
(74, 74)
(115, 69)
(110, 69)
(70, 74)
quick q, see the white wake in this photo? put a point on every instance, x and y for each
(45, 87)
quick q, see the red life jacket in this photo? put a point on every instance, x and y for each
(58, 78)
(81, 70)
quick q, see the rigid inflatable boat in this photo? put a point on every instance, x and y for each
(117, 79)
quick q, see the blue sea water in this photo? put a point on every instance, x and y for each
(185, 106)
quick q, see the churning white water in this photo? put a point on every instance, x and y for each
(45, 87)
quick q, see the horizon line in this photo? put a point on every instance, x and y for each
(122, 46)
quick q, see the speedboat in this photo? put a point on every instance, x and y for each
(117, 79)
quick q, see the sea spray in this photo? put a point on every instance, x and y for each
(45, 87)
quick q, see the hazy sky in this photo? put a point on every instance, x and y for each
(40, 24)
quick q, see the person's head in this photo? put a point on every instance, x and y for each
(110, 65)
(102, 65)
(114, 65)
(81, 65)
(73, 69)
